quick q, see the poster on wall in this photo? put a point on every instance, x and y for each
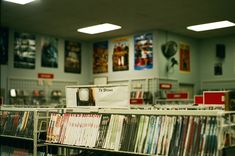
(72, 57)
(121, 54)
(49, 52)
(100, 57)
(24, 50)
(143, 51)
(184, 58)
(4, 34)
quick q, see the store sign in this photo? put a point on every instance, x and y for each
(181, 95)
(45, 76)
(111, 96)
(165, 86)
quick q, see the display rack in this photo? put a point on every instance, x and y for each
(220, 117)
(28, 86)
(147, 90)
(39, 126)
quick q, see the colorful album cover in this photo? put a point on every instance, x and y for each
(143, 51)
(100, 57)
(49, 52)
(24, 50)
(184, 57)
(121, 54)
(72, 58)
(4, 35)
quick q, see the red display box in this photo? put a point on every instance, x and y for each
(214, 97)
(198, 99)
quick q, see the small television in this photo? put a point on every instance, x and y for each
(85, 97)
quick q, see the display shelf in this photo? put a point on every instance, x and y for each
(16, 137)
(149, 110)
(212, 119)
(39, 115)
(224, 121)
(95, 149)
(162, 112)
(189, 107)
(29, 86)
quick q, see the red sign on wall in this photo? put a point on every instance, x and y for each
(165, 86)
(45, 76)
(181, 95)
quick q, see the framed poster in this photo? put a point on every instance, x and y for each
(24, 50)
(4, 35)
(218, 69)
(143, 51)
(49, 52)
(72, 57)
(184, 58)
(121, 54)
(100, 57)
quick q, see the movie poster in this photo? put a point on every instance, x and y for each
(143, 51)
(49, 52)
(72, 58)
(4, 34)
(100, 57)
(121, 54)
(24, 50)
(184, 58)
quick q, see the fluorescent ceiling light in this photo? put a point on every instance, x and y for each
(211, 26)
(99, 28)
(20, 1)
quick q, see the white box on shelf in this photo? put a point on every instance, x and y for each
(103, 96)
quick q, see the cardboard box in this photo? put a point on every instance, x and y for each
(226, 98)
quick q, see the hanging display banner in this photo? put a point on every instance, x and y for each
(111, 96)
(120, 54)
(100, 57)
(184, 58)
(143, 51)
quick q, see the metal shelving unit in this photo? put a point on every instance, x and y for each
(225, 123)
(41, 118)
(219, 114)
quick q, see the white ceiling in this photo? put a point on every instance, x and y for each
(63, 17)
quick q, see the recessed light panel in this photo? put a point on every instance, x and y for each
(211, 26)
(20, 1)
(99, 28)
